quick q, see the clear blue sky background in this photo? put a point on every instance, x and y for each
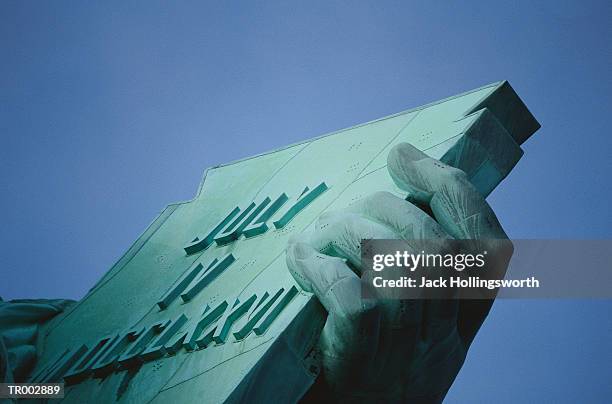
(110, 111)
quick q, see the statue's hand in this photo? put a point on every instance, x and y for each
(395, 350)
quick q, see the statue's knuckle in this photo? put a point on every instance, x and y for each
(454, 174)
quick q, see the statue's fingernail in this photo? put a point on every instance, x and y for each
(407, 152)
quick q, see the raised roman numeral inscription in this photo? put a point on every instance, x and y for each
(135, 346)
(252, 221)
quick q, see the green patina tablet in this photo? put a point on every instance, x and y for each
(202, 306)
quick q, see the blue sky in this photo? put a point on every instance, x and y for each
(110, 111)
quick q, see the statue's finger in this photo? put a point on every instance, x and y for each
(351, 332)
(456, 204)
(461, 210)
(329, 278)
(340, 234)
(408, 221)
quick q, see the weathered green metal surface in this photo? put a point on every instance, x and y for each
(202, 306)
